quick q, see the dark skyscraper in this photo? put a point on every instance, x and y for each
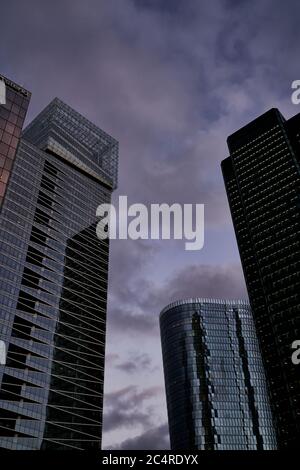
(262, 178)
(215, 382)
(54, 283)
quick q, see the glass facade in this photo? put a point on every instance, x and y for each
(262, 178)
(54, 283)
(215, 383)
(13, 107)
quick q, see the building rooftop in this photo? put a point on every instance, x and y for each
(203, 300)
(15, 86)
(65, 132)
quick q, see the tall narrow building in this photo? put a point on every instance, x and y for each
(54, 274)
(262, 179)
(14, 101)
(215, 382)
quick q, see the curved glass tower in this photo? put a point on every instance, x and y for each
(215, 383)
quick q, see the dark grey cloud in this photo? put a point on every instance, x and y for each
(138, 311)
(153, 439)
(135, 363)
(122, 418)
(122, 319)
(131, 395)
(208, 281)
(124, 408)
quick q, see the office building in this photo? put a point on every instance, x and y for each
(215, 382)
(262, 178)
(54, 283)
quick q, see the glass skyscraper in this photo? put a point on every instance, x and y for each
(54, 281)
(262, 178)
(215, 382)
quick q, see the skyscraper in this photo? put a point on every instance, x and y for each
(54, 283)
(262, 178)
(215, 383)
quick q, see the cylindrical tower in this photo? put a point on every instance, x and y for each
(215, 382)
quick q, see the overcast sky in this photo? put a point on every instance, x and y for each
(170, 79)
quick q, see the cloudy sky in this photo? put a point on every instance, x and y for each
(170, 79)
